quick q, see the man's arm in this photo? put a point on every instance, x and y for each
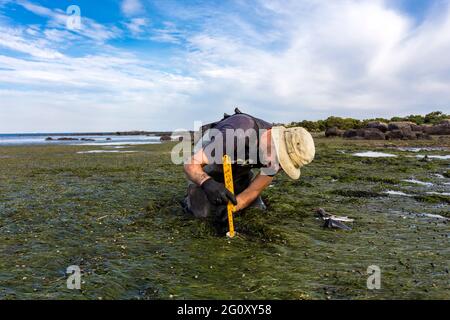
(194, 168)
(249, 195)
(215, 192)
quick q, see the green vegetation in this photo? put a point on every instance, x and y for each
(349, 123)
(117, 216)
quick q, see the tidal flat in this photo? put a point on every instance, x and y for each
(117, 216)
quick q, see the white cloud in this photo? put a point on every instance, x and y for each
(282, 61)
(58, 19)
(169, 34)
(98, 92)
(132, 7)
(12, 39)
(136, 25)
(353, 58)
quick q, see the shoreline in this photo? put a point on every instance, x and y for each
(77, 138)
(75, 134)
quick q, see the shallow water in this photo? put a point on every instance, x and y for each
(397, 193)
(106, 151)
(414, 181)
(439, 193)
(100, 140)
(374, 154)
(419, 149)
(119, 143)
(437, 216)
(439, 157)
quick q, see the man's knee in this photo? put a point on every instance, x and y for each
(197, 203)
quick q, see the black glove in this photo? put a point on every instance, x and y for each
(217, 193)
(221, 214)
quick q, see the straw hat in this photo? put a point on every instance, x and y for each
(294, 148)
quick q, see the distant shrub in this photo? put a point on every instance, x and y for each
(436, 117)
(350, 123)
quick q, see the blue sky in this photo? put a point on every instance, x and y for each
(161, 65)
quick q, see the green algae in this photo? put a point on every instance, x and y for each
(118, 217)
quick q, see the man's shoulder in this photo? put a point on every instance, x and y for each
(243, 121)
(237, 121)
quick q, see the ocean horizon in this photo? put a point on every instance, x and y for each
(99, 138)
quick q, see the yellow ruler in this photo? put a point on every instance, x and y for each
(228, 177)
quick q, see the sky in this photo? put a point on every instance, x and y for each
(164, 64)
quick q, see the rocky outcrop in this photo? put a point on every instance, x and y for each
(402, 130)
(407, 133)
(374, 134)
(394, 135)
(334, 132)
(353, 133)
(382, 126)
(165, 138)
(366, 134)
(423, 136)
(399, 125)
(417, 127)
(67, 139)
(378, 130)
(442, 128)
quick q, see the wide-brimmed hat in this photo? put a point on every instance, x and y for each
(294, 148)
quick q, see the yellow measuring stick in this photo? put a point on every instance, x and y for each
(228, 177)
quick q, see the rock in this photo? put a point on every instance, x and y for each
(374, 134)
(408, 134)
(417, 127)
(394, 135)
(365, 134)
(334, 132)
(67, 139)
(350, 133)
(108, 139)
(399, 125)
(423, 136)
(382, 126)
(354, 133)
(440, 130)
(443, 128)
(87, 139)
(165, 138)
(427, 128)
(405, 133)
(49, 139)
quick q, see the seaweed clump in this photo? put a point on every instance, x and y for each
(359, 193)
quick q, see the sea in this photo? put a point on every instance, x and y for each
(93, 140)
